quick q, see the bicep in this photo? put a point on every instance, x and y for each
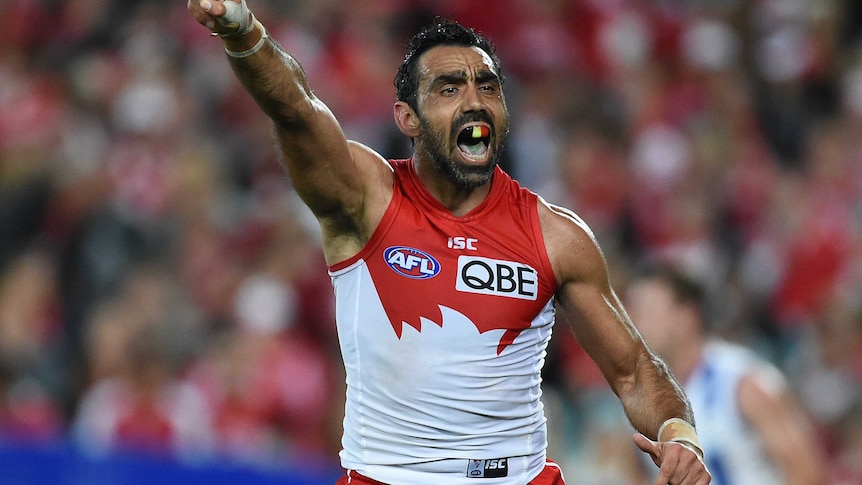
(319, 159)
(602, 328)
(334, 176)
(314, 148)
(590, 305)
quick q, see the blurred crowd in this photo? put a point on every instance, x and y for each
(162, 289)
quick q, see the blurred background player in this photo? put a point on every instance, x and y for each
(747, 416)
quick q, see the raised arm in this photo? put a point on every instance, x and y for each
(652, 399)
(345, 184)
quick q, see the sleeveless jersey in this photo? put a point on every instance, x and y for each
(733, 452)
(443, 324)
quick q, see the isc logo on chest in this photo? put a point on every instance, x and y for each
(460, 242)
(497, 277)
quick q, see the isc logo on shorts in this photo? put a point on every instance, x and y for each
(496, 277)
(496, 468)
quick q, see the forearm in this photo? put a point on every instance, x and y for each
(798, 454)
(313, 145)
(274, 78)
(793, 447)
(652, 395)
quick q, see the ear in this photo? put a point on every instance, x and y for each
(406, 119)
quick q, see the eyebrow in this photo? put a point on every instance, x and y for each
(483, 76)
(449, 78)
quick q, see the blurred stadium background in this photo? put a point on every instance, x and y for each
(165, 314)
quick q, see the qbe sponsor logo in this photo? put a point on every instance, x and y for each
(411, 262)
(494, 468)
(496, 277)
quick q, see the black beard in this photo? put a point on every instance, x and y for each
(438, 150)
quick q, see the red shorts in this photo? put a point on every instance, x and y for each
(551, 475)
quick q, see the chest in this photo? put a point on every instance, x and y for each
(492, 270)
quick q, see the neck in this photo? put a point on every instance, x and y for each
(458, 199)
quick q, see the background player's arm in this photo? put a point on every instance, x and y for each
(767, 404)
(339, 180)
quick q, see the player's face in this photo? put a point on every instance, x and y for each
(462, 113)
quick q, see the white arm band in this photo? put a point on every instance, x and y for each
(682, 432)
(246, 53)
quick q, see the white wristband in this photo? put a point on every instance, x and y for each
(253, 50)
(682, 432)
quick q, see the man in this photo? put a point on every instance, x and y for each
(748, 419)
(446, 274)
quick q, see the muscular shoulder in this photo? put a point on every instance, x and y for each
(378, 179)
(345, 231)
(571, 245)
(375, 170)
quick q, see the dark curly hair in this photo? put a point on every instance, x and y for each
(441, 32)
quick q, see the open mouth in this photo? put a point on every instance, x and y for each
(473, 142)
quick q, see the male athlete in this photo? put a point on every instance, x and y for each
(446, 274)
(754, 428)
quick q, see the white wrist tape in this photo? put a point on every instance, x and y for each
(238, 17)
(682, 432)
(246, 53)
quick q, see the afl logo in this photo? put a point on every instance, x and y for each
(411, 262)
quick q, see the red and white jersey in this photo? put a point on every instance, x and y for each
(443, 323)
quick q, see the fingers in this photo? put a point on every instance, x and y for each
(669, 470)
(215, 8)
(202, 16)
(645, 444)
(678, 465)
(648, 446)
(206, 11)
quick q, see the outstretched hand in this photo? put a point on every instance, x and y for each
(213, 14)
(678, 464)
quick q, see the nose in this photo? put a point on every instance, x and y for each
(472, 99)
